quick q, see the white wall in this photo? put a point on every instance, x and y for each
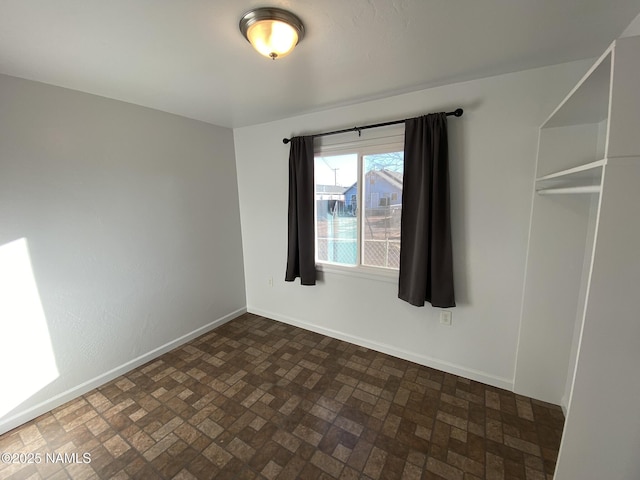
(601, 437)
(633, 29)
(582, 298)
(492, 155)
(122, 226)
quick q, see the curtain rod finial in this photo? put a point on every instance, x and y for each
(458, 112)
(285, 140)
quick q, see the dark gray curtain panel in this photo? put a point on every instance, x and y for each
(301, 254)
(426, 259)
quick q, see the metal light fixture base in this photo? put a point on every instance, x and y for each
(256, 15)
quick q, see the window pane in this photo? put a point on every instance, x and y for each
(382, 202)
(336, 209)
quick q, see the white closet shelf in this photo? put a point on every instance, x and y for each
(572, 171)
(581, 179)
(570, 190)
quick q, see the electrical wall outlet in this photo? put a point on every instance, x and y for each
(445, 318)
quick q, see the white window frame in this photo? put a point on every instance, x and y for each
(391, 142)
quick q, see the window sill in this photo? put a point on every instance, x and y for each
(370, 273)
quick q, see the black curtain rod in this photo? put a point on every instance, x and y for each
(456, 113)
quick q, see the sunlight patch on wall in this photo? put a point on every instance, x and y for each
(26, 353)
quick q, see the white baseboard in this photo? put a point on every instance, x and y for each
(420, 359)
(564, 404)
(22, 417)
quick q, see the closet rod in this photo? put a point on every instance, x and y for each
(456, 113)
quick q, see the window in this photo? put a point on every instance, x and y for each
(367, 176)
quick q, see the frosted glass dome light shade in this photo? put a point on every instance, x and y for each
(273, 32)
(272, 38)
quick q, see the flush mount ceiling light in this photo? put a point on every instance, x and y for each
(273, 32)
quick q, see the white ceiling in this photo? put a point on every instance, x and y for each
(189, 58)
